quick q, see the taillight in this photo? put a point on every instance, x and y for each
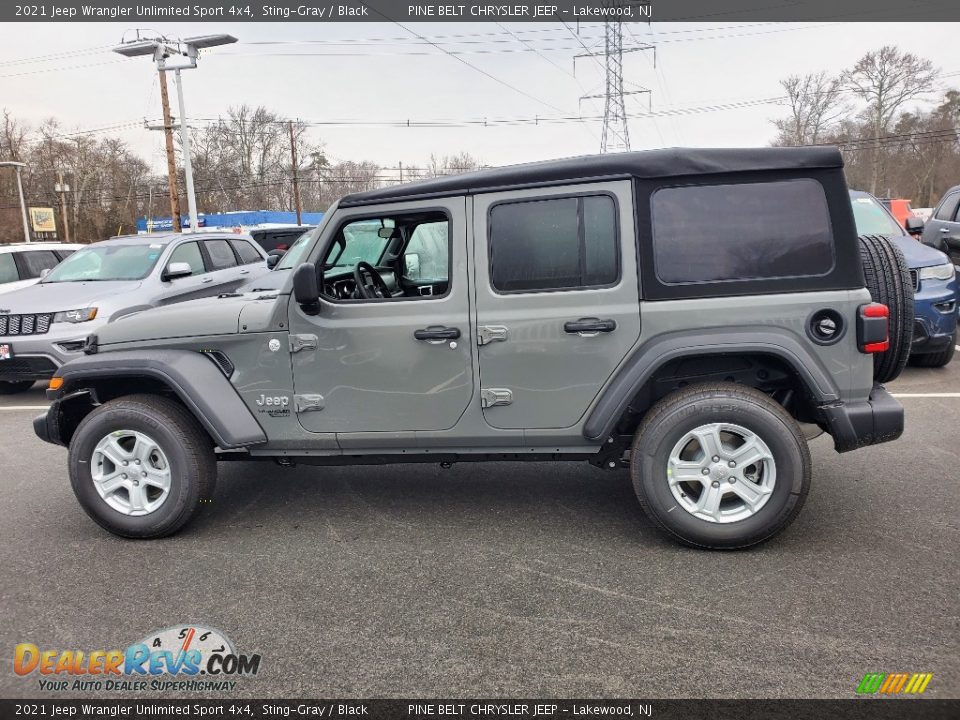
(873, 331)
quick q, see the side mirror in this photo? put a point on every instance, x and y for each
(306, 289)
(177, 270)
(272, 261)
(411, 266)
(914, 225)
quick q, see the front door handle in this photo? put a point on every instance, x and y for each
(206, 279)
(944, 229)
(589, 326)
(437, 333)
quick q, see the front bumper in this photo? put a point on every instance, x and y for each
(935, 310)
(875, 420)
(37, 357)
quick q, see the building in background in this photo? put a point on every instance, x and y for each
(239, 221)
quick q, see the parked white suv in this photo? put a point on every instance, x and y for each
(22, 264)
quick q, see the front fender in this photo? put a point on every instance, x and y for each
(191, 376)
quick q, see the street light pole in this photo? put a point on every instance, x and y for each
(18, 166)
(187, 163)
(162, 50)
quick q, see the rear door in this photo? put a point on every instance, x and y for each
(557, 300)
(943, 227)
(225, 268)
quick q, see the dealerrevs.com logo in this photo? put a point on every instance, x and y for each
(177, 659)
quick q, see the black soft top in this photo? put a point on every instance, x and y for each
(666, 163)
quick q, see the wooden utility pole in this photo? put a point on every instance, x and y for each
(296, 181)
(62, 189)
(171, 159)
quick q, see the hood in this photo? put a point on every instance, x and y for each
(56, 297)
(272, 280)
(917, 254)
(194, 318)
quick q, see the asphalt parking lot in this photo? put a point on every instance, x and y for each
(507, 579)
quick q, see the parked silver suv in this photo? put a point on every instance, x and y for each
(45, 325)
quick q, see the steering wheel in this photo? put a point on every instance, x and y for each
(379, 288)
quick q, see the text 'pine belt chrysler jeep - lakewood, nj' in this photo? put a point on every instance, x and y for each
(689, 314)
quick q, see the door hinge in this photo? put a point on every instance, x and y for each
(491, 397)
(308, 403)
(303, 342)
(492, 333)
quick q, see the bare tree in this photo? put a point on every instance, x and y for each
(886, 79)
(446, 165)
(816, 103)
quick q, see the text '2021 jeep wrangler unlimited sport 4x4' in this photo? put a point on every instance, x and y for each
(680, 312)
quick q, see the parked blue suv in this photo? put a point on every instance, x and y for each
(934, 279)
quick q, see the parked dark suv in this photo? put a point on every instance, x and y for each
(680, 313)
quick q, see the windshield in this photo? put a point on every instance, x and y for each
(101, 263)
(359, 242)
(295, 253)
(872, 218)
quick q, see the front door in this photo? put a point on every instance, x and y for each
(391, 353)
(557, 300)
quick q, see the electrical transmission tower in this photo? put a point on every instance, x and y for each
(616, 132)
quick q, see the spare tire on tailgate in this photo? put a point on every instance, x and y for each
(888, 280)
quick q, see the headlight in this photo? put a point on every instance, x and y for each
(76, 316)
(938, 272)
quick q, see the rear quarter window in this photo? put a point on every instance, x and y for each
(744, 231)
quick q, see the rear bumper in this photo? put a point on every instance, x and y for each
(855, 425)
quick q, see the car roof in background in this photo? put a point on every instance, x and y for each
(167, 238)
(666, 163)
(21, 246)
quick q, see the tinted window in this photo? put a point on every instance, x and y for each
(188, 253)
(750, 231)
(220, 254)
(64, 254)
(948, 208)
(8, 269)
(553, 244)
(246, 251)
(35, 262)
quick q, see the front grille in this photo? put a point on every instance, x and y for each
(915, 280)
(25, 324)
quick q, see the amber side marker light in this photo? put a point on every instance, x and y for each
(55, 383)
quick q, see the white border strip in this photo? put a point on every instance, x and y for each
(926, 395)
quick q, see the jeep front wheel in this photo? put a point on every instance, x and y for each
(141, 466)
(720, 466)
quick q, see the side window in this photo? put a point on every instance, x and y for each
(8, 269)
(556, 244)
(35, 262)
(427, 254)
(221, 255)
(248, 255)
(948, 208)
(64, 254)
(190, 254)
(749, 231)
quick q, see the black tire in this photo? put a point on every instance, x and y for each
(936, 359)
(679, 413)
(15, 388)
(183, 440)
(888, 280)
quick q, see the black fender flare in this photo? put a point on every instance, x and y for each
(195, 379)
(657, 351)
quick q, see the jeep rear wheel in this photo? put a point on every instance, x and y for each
(720, 466)
(16, 387)
(141, 466)
(888, 280)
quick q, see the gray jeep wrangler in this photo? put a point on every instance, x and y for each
(693, 315)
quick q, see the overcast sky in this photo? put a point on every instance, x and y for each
(375, 72)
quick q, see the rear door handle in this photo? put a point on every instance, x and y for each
(244, 272)
(589, 326)
(206, 279)
(437, 333)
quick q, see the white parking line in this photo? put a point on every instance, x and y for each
(926, 395)
(24, 407)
